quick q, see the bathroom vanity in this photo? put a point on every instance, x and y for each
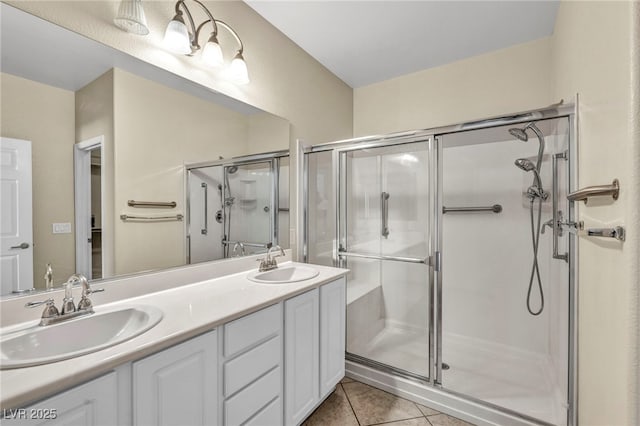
(227, 351)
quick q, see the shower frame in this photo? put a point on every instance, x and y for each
(384, 374)
(267, 157)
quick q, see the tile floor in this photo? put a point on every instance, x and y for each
(356, 404)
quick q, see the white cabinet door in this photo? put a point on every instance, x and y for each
(332, 334)
(301, 356)
(91, 404)
(178, 386)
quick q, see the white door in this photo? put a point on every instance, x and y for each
(16, 233)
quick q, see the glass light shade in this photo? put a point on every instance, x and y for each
(131, 18)
(238, 72)
(212, 53)
(176, 37)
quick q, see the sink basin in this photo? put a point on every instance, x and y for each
(288, 274)
(44, 344)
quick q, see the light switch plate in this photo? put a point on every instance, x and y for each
(61, 228)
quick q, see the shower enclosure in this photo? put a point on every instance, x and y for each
(236, 207)
(454, 238)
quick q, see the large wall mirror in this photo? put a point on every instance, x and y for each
(112, 166)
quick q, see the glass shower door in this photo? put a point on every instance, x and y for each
(384, 239)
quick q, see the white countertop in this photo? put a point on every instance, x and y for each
(188, 310)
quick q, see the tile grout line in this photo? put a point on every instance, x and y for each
(350, 405)
(399, 420)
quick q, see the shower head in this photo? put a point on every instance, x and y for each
(520, 134)
(528, 166)
(525, 164)
(232, 169)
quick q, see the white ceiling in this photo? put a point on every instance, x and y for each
(364, 42)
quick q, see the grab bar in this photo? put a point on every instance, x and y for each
(616, 232)
(126, 217)
(384, 206)
(496, 208)
(205, 230)
(246, 244)
(133, 203)
(597, 190)
(557, 214)
(382, 257)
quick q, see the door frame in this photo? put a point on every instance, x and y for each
(82, 198)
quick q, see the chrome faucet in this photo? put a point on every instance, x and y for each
(235, 247)
(51, 315)
(268, 263)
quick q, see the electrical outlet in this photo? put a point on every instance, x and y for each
(61, 228)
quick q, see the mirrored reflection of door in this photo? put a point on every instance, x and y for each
(384, 234)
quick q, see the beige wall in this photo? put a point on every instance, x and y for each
(94, 118)
(505, 81)
(44, 115)
(592, 56)
(267, 133)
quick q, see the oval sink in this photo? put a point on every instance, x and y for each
(45, 344)
(288, 274)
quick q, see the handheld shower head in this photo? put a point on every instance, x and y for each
(522, 135)
(525, 164)
(528, 166)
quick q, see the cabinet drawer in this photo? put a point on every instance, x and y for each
(252, 399)
(244, 369)
(270, 415)
(247, 331)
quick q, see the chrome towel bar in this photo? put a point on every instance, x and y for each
(594, 191)
(169, 204)
(126, 217)
(247, 244)
(496, 208)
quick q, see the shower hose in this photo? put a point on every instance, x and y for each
(535, 272)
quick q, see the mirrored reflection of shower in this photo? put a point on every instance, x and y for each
(237, 206)
(535, 192)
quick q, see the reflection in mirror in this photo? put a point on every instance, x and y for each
(86, 128)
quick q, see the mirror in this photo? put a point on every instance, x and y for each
(119, 151)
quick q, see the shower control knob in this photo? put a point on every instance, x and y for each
(266, 209)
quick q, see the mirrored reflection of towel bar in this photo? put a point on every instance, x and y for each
(169, 204)
(126, 217)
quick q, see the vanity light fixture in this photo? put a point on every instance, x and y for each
(182, 39)
(131, 18)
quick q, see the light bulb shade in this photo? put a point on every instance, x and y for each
(212, 53)
(131, 18)
(238, 72)
(176, 37)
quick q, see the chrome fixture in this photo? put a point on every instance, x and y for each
(425, 261)
(268, 263)
(617, 232)
(534, 192)
(522, 135)
(128, 217)
(48, 277)
(205, 229)
(593, 191)
(384, 208)
(145, 204)
(184, 40)
(235, 247)
(227, 203)
(51, 315)
(131, 18)
(496, 208)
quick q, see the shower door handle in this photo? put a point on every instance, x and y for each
(557, 214)
(205, 230)
(384, 206)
